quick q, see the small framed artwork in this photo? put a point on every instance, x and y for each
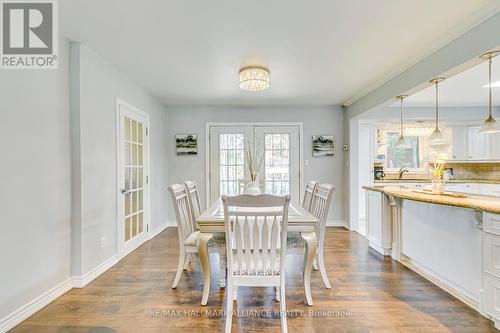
(322, 145)
(186, 144)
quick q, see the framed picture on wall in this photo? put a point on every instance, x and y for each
(322, 145)
(186, 144)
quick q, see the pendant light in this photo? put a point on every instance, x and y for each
(437, 137)
(490, 125)
(402, 140)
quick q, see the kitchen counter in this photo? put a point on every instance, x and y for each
(482, 203)
(428, 181)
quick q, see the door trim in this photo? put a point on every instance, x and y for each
(120, 102)
(300, 125)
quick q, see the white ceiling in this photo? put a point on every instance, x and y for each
(321, 52)
(464, 89)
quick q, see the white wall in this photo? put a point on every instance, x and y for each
(99, 85)
(35, 240)
(316, 120)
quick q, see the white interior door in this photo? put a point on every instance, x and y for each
(133, 216)
(280, 172)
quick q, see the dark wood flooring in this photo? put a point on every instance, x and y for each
(369, 293)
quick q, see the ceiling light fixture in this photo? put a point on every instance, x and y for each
(437, 137)
(490, 125)
(402, 140)
(254, 78)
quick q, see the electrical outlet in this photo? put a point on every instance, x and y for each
(103, 242)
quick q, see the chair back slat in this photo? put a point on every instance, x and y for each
(256, 227)
(320, 206)
(181, 207)
(308, 194)
(194, 201)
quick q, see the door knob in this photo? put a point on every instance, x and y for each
(123, 191)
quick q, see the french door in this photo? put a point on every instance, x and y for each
(133, 212)
(280, 170)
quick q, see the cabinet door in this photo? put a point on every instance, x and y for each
(459, 143)
(478, 144)
(494, 146)
(374, 217)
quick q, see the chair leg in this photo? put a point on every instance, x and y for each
(222, 267)
(229, 306)
(277, 293)
(182, 258)
(322, 268)
(187, 261)
(234, 293)
(315, 263)
(284, 327)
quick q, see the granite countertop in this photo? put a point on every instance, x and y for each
(451, 181)
(483, 203)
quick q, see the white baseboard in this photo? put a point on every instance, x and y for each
(25, 311)
(172, 223)
(159, 229)
(337, 224)
(82, 281)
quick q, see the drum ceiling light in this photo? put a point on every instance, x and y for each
(254, 78)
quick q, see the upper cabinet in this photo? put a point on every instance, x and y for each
(470, 145)
(478, 144)
(459, 137)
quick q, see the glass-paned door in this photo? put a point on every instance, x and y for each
(228, 169)
(280, 170)
(134, 159)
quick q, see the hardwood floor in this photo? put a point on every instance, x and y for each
(369, 293)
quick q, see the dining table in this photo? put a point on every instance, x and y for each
(212, 221)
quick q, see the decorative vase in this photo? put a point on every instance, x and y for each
(437, 185)
(252, 188)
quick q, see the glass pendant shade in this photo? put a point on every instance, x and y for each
(437, 137)
(490, 125)
(402, 142)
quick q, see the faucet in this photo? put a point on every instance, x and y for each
(402, 171)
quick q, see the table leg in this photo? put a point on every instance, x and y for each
(203, 239)
(309, 255)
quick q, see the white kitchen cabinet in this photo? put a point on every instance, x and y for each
(490, 189)
(378, 229)
(478, 147)
(495, 146)
(459, 138)
(456, 188)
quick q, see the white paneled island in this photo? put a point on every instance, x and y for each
(452, 240)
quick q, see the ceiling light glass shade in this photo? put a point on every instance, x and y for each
(437, 138)
(489, 126)
(402, 143)
(254, 78)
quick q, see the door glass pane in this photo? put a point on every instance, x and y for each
(134, 202)
(139, 132)
(134, 130)
(127, 128)
(127, 229)
(140, 222)
(134, 225)
(231, 162)
(277, 163)
(127, 204)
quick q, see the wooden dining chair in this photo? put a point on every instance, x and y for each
(308, 194)
(195, 210)
(256, 228)
(319, 208)
(188, 236)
